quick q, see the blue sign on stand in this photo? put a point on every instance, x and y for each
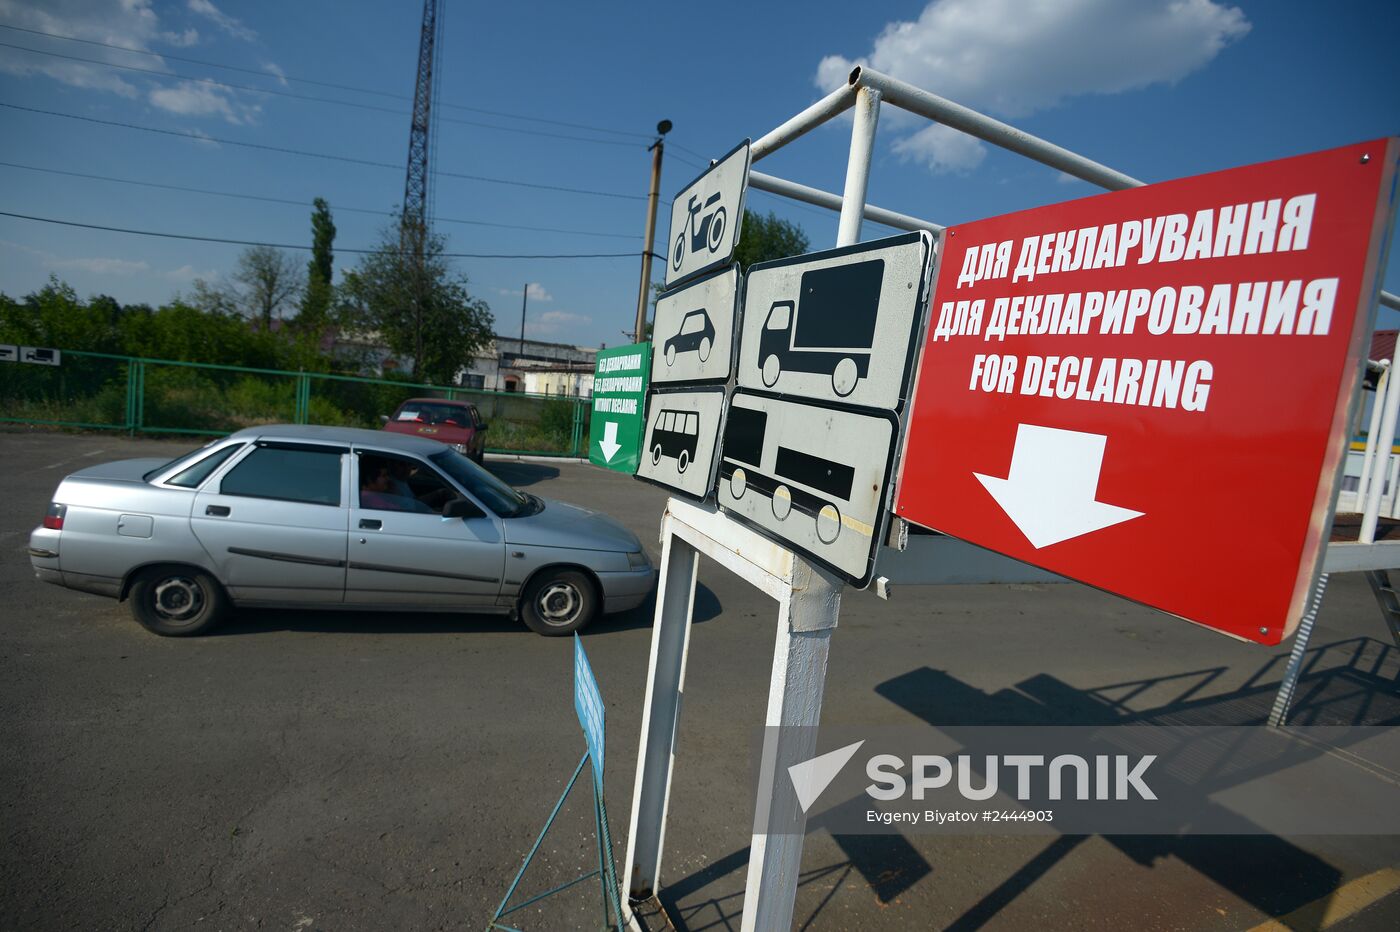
(588, 703)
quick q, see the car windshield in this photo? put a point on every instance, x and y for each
(430, 413)
(492, 492)
(186, 459)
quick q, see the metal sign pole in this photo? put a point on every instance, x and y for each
(806, 619)
(809, 606)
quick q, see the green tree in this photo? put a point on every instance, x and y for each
(55, 316)
(767, 236)
(266, 279)
(425, 314)
(316, 301)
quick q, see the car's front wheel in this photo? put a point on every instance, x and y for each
(177, 601)
(559, 602)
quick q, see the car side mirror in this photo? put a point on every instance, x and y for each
(483, 428)
(462, 508)
(383, 418)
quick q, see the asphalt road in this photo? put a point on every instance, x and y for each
(376, 771)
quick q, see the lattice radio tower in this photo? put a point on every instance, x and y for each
(417, 206)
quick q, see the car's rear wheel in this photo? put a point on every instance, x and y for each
(177, 601)
(559, 602)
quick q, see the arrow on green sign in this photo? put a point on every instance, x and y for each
(619, 407)
(609, 444)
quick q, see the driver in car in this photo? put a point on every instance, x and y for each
(377, 490)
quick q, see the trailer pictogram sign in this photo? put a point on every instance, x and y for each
(706, 216)
(1150, 390)
(836, 325)
(810, 476)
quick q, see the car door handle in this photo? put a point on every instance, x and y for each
(370, 524)
(217, 511)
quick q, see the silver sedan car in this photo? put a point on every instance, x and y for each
(331, 518)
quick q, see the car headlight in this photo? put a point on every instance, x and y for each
(638, 559)
(459, 447)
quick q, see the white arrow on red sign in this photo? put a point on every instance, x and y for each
(1051, 492)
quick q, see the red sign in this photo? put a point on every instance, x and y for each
(1149, 391)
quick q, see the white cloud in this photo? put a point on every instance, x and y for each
(201, 138)
(191, 99)
(221, 19)
(1015, 57)
(276, 71)
(118, 22)
(181, 40)
(101, 265)
(132, 24)
(98, 265)
(942, 149)
(537, 292)
(554, 323)
(188, 273)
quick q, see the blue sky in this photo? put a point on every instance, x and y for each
(1155, 89)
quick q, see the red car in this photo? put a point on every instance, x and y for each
(455, 423)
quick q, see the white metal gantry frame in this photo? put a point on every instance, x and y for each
(809, 598)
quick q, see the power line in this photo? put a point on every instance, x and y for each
(342, 87)
(200, 137)
(297, 203)
(360, 252)
(307, 97)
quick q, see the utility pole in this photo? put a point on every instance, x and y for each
(524, 299)
(644, 290)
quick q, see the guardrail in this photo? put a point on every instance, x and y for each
(103, 391)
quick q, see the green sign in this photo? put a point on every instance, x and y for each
(619, 406)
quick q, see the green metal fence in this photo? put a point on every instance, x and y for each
(99, 391)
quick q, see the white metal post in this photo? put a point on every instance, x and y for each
(1384, 441)
(656, 757)
(806, 618)
(1368, 458)
(867, 116)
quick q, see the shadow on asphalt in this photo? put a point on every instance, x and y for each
(262, 621)
(1347, 682)
(521, 474)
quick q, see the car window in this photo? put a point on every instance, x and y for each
(288, 474)
(778, 316)
(490, 491)
(401, 483)
(193, 477)
(185, 459)
(430, 413)
(476, 416)
(693, 323)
